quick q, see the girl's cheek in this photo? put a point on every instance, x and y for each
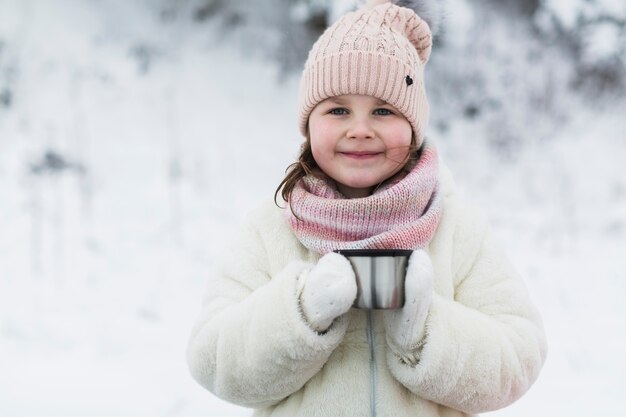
(398, 154)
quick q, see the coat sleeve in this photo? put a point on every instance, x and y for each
(485, 347)
(250, 345)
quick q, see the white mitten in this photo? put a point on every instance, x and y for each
(327, 291)
(406, 327)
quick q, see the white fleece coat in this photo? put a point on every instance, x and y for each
(485, 343)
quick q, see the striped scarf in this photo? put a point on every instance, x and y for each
(401, 214)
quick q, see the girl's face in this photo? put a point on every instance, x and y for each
(359, 141)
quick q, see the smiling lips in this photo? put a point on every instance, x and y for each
(360, 154)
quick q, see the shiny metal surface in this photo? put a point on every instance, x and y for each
(380, 277)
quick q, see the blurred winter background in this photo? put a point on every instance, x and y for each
(135, 135)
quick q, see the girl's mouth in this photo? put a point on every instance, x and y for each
(360, 154)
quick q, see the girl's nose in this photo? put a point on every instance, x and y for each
(360, 128)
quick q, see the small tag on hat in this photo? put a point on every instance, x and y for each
(408, 80)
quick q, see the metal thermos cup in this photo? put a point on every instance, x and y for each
(380, 276)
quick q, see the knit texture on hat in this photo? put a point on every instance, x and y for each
(378, 51)
(402, 214)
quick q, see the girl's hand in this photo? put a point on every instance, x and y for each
(406, 327)
(327, 291)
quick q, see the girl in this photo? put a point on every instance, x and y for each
(277, 331)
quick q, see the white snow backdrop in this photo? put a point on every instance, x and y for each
(130, 150)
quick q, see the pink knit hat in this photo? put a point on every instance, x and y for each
(379, 50)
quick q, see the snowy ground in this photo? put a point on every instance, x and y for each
(170, 140)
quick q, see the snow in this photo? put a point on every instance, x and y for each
(602, 42)
(178, 136)
(567, 11)
(571, 13)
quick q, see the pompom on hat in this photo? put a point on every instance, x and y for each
(379, 50)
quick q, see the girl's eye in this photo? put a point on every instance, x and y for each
(339, 111)
(382, 112)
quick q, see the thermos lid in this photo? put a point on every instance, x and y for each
(374, 252)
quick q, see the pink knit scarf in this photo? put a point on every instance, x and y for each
(402, 214)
